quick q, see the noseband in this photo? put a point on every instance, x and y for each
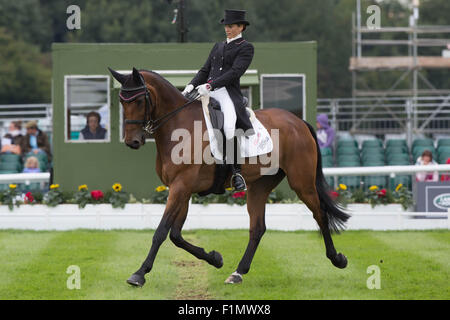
(149, 125)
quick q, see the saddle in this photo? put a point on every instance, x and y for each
(217, 120)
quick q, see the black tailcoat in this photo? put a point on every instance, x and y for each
(224, 69)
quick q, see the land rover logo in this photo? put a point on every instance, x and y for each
(442, 201)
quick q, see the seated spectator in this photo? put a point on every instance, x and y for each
(93, 129)
(446, 177)
(325, 133)
(426, 159)
(35, 141)
(31, 165)
(12, 139)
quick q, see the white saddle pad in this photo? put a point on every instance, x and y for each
(255, 145)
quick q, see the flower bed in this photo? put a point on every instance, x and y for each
(119, 198)
(116, 209)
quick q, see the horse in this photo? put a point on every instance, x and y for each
(151, 104)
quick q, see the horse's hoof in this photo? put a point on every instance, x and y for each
(136, 280)
(234, 278)
(340, 261)
(216, 259)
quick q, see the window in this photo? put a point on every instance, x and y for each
(284, 91)
(87, 95)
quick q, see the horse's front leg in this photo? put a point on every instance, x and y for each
(213, 258)
(176, 203)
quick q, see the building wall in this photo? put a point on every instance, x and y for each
(99, 165)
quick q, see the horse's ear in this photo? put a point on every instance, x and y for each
(136, 75)
(118, 76)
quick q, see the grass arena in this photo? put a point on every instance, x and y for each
(181, 150)
(288, 265)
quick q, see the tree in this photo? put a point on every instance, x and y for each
(24, 77)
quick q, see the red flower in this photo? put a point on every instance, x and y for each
(96, 194)
(334, 195)
(381, 193)
(29, 197)
(237, 195)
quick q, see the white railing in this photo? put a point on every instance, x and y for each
(26, 178)
(392, 170)
(345, 171)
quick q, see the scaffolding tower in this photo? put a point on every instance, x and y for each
(410, 66)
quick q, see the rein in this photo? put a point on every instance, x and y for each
(148, 125)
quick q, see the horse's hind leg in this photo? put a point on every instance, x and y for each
(308, 194)
(213, 258)
(258, 192)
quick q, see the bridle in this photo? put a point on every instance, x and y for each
(149, 125)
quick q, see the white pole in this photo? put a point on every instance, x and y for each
(370, 171)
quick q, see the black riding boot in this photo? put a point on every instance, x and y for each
(237, 181)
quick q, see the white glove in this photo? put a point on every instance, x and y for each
(204, 89)
(188, 89)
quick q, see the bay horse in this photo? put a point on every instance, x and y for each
(151, 104)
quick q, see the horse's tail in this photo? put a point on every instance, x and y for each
(333, 210)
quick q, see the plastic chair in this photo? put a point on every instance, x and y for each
(372, 150)
(349, 164)
(443, 142)
(396, 149)
(347, 143)
(443, 150)
(12, 167)
(372, 155)
(326, 151)
(423, 143)
(348, 157)
(347, 150)
(373, 163)
(10, 157)
(396, 143)
(372, 143)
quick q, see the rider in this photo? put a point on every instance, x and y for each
(220, 79)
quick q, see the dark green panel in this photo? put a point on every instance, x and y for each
(99, 165)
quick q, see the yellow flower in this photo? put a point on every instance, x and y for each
(342, 186)
(399, 187)
(82, 187)
(117, 187)
(229, 189)
(13, 186)
(54, 186)
(161, 188)
(373, 188)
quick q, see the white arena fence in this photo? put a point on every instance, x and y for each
(346, 171)
(285, 217)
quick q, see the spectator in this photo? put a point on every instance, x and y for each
(325, 133)
(426, 159)
(446, 177)
(31, 165)
(93, 130)
(13, 138)
(35, 141)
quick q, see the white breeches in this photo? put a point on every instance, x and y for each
(227, 107)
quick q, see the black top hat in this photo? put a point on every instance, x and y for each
(234, 16)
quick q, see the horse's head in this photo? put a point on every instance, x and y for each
(137, 105)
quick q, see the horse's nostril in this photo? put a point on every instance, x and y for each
(136, 142)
